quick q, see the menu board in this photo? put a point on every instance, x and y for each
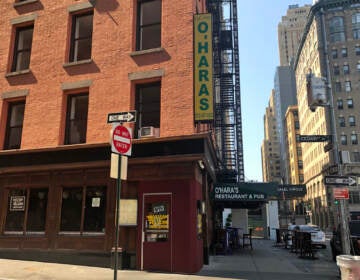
(128, 212)
(17, 203)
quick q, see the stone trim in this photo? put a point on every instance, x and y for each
(81, 6)
(146, 74)
(22, 19)
(17, 73)
(75, 63)
(15, 93)
(18, 4)
(76, 85)
(149, 51)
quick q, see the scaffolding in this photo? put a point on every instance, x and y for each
(228, 123)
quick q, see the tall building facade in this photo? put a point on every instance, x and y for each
(65, 65)
(285, 96)
(330, 48)
(290, 31)
(270, 150)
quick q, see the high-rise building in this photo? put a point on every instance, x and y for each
(65, 65)
(290, 31)
(270, 153)
(329, 49)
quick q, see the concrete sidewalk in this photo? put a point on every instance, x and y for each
(264, 262)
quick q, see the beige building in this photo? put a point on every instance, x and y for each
(330, 48)
(290, 31)
(294, 160)
(270, 152)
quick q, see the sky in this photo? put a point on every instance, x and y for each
(259, 57)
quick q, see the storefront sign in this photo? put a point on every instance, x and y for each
(203, 75)
(291, 191)
(17, 203)
(236, 193)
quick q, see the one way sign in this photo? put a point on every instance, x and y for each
(122, 117)
(340, 180)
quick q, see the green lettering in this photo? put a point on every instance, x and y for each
(204, 105)
(204, 47)
(203, 74)
(203, 90)
(203, 62)
(203, 27)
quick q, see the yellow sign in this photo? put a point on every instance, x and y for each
(157, 221)
(203, 60)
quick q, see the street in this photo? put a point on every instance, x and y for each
(264, 262)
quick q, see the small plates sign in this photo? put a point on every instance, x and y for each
(17, 203)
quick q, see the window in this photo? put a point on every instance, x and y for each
(336, 70)
(26, 210)
(337, 29)
(337, 86)
(358, 67)
(356, 156)
(343, 139)
(356, 25)
(357, 50)
(297, 125)
(339, 103)
(301, 178)
(346, 69)
(354, 197)
(352, 120)
(14, 125)
(300, 164)
(344, 52)
(147, 102)
(354, 139)
(83, 209)
(76, 118)
(81, 37)
(22, 48)
(149, 24)
(299, 151)
(350, 103)
(334, 53)
(347, 86)
(342, 121)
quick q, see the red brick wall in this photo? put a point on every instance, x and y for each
(111, 91)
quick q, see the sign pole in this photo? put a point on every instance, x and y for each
(117, 208)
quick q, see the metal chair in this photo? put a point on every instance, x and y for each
(247, 239)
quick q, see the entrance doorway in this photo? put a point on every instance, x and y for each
(157, 231)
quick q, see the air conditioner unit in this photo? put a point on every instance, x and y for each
(345, 156)
(149, 131)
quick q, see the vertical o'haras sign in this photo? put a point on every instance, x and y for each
(121, 140)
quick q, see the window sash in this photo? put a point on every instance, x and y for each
(81, 37)
(76, 119)
(14, 125)
(22, 48)
(149, 24)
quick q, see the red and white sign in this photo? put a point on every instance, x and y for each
(121, 140)
(341, 193)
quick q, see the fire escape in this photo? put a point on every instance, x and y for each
(228, 124)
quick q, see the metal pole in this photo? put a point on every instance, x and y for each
(344, 228)
(117, 208)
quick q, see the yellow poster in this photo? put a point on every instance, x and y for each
(157, 221)
(203, 60)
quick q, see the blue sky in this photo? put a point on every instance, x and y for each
(258, 47)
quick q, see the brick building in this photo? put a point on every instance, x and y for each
(65, 65)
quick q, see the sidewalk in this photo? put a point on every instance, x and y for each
(265, 262)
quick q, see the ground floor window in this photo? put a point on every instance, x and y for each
(26, 211)
(83, 209)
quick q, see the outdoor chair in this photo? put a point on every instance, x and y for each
(247, 239)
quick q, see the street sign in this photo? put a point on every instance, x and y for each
(121, 140)
(339, 180)
(341, 193)
(122, 117)
(314, 138)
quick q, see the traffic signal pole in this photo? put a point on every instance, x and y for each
(344, 215)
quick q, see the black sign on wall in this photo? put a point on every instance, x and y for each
(314, 138)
